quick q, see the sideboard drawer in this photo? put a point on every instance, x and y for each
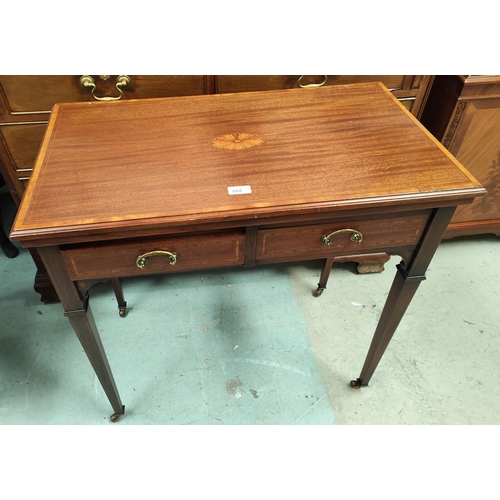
(193, 252)
(350, 238)
(38, 93)
(248, 83)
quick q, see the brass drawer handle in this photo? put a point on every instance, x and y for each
(310, 85)
(356, 236)
(122, 82)
(142, 260)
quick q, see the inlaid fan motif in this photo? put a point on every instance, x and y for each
(237, 141)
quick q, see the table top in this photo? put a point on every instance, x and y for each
(111, 166)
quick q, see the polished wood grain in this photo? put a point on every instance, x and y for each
(152, 163)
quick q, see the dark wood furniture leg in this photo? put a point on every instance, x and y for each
(80, 315)
(8, 248)
(122, 305)
(408, 278)
(323, 279)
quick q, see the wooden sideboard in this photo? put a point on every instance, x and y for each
(463, 112)
(26, 103)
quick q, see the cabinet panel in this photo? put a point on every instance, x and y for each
(23, 142)
(464, 114)
(476, 144)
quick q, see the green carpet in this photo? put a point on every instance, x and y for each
(225, 347)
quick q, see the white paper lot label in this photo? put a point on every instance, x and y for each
(239, 190)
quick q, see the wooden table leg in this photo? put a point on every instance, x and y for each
(117, 288)
(80, 315)
(402, 291)
(405, 284)
(323, 279)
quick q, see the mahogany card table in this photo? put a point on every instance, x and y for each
(168, 185)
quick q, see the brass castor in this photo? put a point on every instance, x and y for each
(319, 291)
(116, 416)
(355, 384)
(122, 311)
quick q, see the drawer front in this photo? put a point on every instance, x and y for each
(19, 146)
(32, 94)
(119, 259)
(249, 83)
(23, 143)
(305, 242)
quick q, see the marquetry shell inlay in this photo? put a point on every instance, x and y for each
(237, 141)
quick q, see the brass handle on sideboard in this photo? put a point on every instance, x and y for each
(356, 236)
(142, 260)
(309, 85)
(122, 82)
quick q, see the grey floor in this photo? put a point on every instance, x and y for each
(254, 346)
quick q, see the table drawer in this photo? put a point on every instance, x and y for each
(339, 238)
(119, 259)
